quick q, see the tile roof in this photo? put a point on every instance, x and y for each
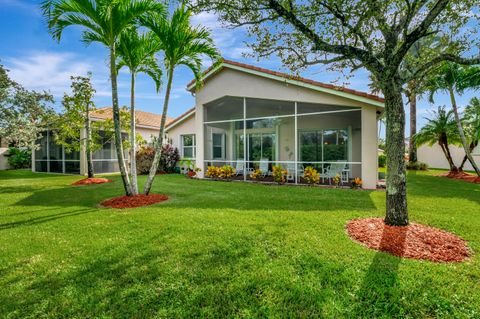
(143, 118)
(290, 77)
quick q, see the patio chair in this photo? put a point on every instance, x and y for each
(291, 171)
(333, 170)
(240, 167)
(264, 167)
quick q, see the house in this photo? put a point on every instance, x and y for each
(50, 157)
(247, 117)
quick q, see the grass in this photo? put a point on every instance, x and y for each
(219, 249)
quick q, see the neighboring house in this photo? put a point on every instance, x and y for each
(247, 117)
(434, 157)
(50, 157)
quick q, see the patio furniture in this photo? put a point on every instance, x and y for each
(239, 167)
(291, 171)
(333, 170)
(264, 167)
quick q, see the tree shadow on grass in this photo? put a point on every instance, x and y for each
(44, 218)
(380, 294)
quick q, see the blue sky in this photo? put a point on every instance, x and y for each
(38, 62)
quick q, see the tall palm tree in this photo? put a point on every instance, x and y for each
(137, 53)
(441, 129)
(103, 21)
(471, 120)
(453, 78)
(182, 44)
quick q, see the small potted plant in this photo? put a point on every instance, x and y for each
(357, 183)
(191, 168)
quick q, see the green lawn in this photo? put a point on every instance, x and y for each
(219, 249)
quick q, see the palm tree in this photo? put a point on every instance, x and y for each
(103, 21)
(452, 77)
(471, 120)
(441, 129)
(137, 53)
(182, 44)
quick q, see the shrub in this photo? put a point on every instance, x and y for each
(311, 175)
(416, 166)
(168, 159)
(279, 174)
(190, 166)
(337, 180)
(382, 160)
(226, 171)
(256, 174)
(213, 171)
(357, 182)
(19, 158)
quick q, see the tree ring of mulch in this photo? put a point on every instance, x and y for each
(91, 181)
(461, 176)
(415, 241)
(133, 201)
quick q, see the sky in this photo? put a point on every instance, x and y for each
(38, 62)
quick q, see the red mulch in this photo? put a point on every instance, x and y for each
(462, 176)
(134, 201)
(413, 241)
(93, 180)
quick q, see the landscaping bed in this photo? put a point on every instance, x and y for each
(134, 201)
(414, 241)
(92, 180)
(462, 176)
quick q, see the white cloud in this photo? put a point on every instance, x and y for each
(48, 71)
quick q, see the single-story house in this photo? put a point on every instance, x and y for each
(51, 157)
(433, 156)
(248, 117)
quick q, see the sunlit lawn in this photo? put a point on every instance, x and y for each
(225, 249)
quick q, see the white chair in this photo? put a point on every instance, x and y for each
(333, 170)
(291, 171)
(240, 167)
(264, 167)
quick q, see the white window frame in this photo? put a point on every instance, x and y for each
(193, 146)
(223, 146)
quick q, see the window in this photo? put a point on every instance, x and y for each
(324, 145)
(218, 142)
(188, 146)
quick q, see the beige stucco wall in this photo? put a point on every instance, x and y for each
(187, 126)
(236, 83)
(435, 158)
(147, 133)
(3, 158)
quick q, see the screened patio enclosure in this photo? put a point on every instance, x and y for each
(249, 133)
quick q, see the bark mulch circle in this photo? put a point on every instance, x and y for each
(90, 181)
(414, 241)
(462, 176)
(134, 201)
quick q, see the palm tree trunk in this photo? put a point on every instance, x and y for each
(468, 154)
(133, 142)
(116, 123)
(446, 150)
(412, 148)
(397, 212)
(158, 147)
(88, 149)
(465, 158)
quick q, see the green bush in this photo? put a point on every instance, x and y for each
(417, 166)
(168, 159)
(382, 160)
(19, 158)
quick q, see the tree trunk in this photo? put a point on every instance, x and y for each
(465, 158)
(158, 147)
(133, 142)
(446, 150)
(116, 123)
(468, 154)
(88, 147)
(397, 212)
(412, 98)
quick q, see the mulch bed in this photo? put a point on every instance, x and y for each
(134, 201)
(414, 241)
(462, 176)
(90, 181)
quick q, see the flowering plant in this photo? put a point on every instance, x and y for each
(279, 174)
(311, 175)
(256, 174)
(213, 172)
(337, 180)
(357, 182)
(226, 171)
